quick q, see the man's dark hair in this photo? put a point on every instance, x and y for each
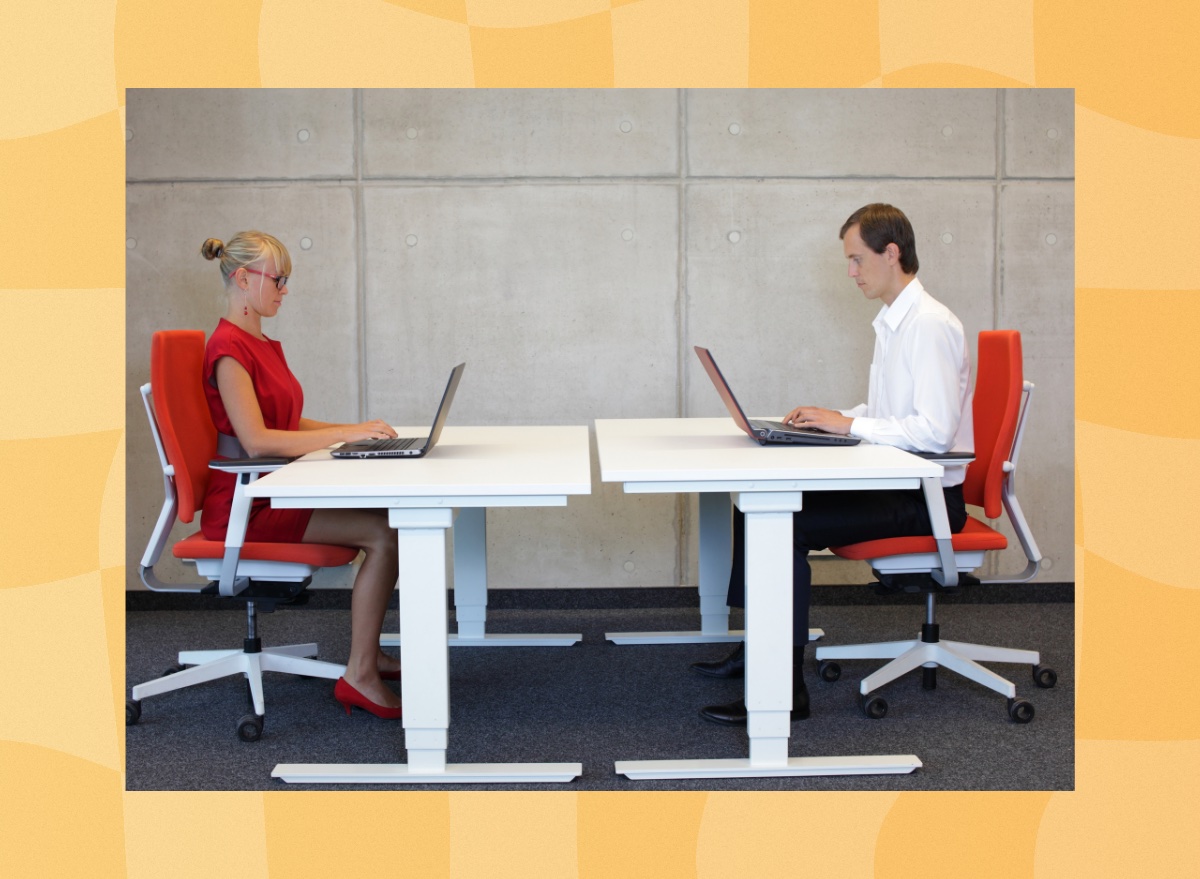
(881, 225)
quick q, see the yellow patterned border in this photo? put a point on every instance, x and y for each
(64, 65)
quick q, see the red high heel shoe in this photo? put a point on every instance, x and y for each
(349, 696)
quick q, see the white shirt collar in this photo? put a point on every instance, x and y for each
(893, 314)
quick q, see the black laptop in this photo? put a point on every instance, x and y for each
(773, 432)
(409, 446)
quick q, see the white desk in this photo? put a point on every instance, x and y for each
(712, 457)
(471, 468)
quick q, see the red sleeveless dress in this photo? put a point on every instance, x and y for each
(280, 398)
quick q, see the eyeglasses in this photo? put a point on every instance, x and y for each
(280, 280)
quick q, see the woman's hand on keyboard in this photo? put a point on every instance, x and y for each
(368, 430)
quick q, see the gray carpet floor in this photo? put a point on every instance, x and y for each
(597, 703)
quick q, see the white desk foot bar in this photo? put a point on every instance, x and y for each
(470, 593)
(732, 636)
(716, 557)
(498, 640)
(401, 773)
(892, 764)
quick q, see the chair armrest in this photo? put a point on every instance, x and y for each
(248, 465)
(247, 469)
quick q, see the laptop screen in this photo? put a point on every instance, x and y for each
(714, 373)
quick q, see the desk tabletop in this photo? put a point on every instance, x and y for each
(715, 450)
(467, 461)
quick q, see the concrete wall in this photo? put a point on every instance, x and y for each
(572, 246)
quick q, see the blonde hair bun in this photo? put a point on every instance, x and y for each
(245, 249)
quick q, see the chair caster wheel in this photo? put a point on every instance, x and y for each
(250, 728)
(873, 707)
(1020, 711)
(1044, 676)
(172, 669)
(133, 711)
(829, 671)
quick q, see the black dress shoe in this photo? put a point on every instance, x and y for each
(732, 666)
(734, 713)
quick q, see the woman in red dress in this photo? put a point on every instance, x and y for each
(255, 400)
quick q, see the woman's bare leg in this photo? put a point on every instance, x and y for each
(369, 531)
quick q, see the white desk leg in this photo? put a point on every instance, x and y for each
(769, 623)
(716, 558)
(470, 592)
(768, 665)
(470, 573)
(425, 686)
(424, 619)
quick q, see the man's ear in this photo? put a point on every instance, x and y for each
(893, 252)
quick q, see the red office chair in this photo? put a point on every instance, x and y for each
(1000, 405)
(259, 574)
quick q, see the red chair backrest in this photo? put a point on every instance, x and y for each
(998, 386)
(188, 435)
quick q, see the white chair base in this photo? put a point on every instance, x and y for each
(215, 664)
(957, 656)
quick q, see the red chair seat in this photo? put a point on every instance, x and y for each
(321, 555)
(974, 536)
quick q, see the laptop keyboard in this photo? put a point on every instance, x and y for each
(789, 428)
(391, 445)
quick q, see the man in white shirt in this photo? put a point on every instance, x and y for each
(917, 400)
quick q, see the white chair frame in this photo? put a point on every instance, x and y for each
(944, 566)
(232, 576)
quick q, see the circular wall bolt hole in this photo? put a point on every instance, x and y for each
(735, 236)
(734, 128)
(130, 243)
(626, 126)
(1052, 239)
(411, 134)
(302, 135)
(306, 243)
(947, 238)
(947, 130)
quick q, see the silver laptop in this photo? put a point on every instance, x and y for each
(767, 432)
(409, 446)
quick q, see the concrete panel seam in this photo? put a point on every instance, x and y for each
(658, 180)
(360, 250)
(681, 320)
